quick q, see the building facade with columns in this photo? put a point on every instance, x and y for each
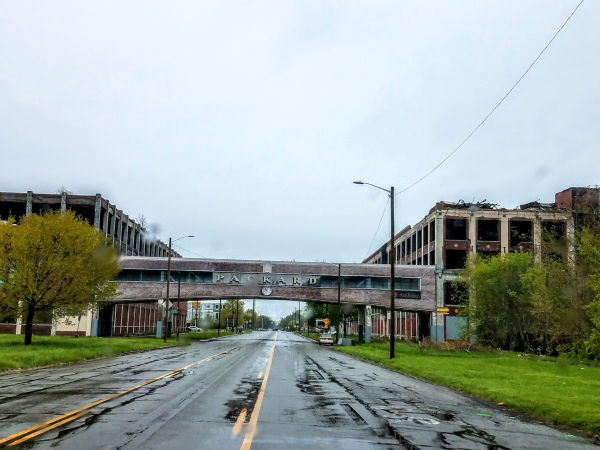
(451, 231)
(128, 236)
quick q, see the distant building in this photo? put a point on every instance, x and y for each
(451, 231)
(129, 237)
(202, 310)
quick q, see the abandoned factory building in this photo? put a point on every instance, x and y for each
(125, 234)
(451, 231)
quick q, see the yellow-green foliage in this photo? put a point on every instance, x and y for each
(54, 262)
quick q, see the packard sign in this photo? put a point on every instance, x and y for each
(261, 279)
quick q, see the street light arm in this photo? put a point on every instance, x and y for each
(375, 186)
(182, 237)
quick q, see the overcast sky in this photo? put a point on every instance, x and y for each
(245, 123)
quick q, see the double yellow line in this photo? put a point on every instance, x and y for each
(251, 428)
(32, 432)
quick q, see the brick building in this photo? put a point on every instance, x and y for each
(451, 231)
(128, 236)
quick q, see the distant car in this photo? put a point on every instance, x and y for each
(326, 338)
(195, 329)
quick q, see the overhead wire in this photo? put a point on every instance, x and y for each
(495, 107)
(376, 232)
(189, 251)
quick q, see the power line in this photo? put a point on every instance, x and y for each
(380, 220)
(189, 251)
(495, 107)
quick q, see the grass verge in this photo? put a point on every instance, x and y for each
(49, 350)
(558, 390)
(204, 335)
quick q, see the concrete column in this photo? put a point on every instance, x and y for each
(29, 203)
(105, 224)
(63, 201)
(368, 323)
(114, 225)
(472, 233)
(504, 234)
(97, 211)
(537, 238)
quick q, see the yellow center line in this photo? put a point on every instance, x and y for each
(239, 422)
(256, 411)
(58, 424)
(46, 426)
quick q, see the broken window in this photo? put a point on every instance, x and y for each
(488, 254)
(456, 259)
(454, 293)
(456, 229)
(520, 232)
(488, 230)
(432, 231)
(553, 231)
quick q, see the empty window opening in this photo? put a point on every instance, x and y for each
(488, 230)
(553, 231)
(488, 254)
(425, 235)
(432, 231)
(456, 259)
(456, 229)
(520, 232)
(419, 239)
(432, 258)
(413, 245)
(408, 249)
(419, 262)
(454, 293)
(403, 248)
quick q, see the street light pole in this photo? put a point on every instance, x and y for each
(392, 258)
(166, 318)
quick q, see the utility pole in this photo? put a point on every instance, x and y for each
(178, 298)
(166, 319)
(253, 312)
(237, 315)
(337, 331)
(219, 326)
(392, 257)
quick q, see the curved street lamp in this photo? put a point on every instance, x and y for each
(392, 259)
(165, 321)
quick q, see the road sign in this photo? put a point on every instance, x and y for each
(173, 311)
(196, 304)
(326, 321)
(443, 311)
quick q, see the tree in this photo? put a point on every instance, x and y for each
(501, 293)
(55, 263)
(230, 309)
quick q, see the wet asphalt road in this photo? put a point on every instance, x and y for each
(313, 398)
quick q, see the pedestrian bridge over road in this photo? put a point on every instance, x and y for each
(361, 284)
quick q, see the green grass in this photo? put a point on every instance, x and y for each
(48, 350)
(203, 335)
(555, 389)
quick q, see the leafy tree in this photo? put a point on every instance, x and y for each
(56, 263)
(590, 251)
(230, 309)
(501, 293)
